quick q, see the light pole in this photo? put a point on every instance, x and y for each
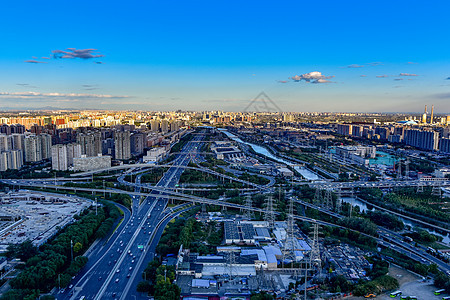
(71, 250)
(95, 205)
(104, 190)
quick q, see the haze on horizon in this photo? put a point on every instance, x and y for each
(383, 56)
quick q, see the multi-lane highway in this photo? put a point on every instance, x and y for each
(119, 264)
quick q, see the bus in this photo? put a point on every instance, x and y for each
(395, 294)
(438, 292)
(446, 298)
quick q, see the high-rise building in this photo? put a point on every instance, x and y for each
(444, 145)
(154, 125)
(63, 155)
(33, 149)
(174, 126)
(5, 142)
(59, 157)
(422, 139)
(16, 159)
(46, 145)
(344, 129)
(164, 126)
(91, 143)
(122, 145)
(137, 141)
(17, 141)
(12, 159)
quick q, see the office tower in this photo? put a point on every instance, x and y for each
(137, 140)
(432, 114)
(91, 143)
(164, 126)
(422, 139)
(122, 145)
(154, 125)
(448, 120)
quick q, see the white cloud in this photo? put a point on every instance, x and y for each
(312, 77)
(407, 74)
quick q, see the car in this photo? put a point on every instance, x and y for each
(128, 275)
(132, 261)
(114, 294)
(117, 280)
(70, 286)
(100, 278)
(117, 271)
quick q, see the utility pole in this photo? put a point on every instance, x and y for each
(71, 250)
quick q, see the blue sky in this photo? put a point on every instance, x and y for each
(204, 55)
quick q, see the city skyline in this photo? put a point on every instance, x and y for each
(307, 57)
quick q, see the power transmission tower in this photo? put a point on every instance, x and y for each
(230, 264)
(314, 260)
(328, 199)
(248, 205)
(436, 190)
(407, 162)
(420, 187)
(338, 204)
(315, 251)
(290, 242)
(270, 213)
(318, 197)
(399, 170)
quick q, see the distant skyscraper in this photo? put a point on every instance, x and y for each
(164, 126)
(122, 145)
(154, 125)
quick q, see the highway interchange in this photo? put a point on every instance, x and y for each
(115, 265)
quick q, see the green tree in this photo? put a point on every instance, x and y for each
(167, 291)
(143, 286)
(77, 247)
